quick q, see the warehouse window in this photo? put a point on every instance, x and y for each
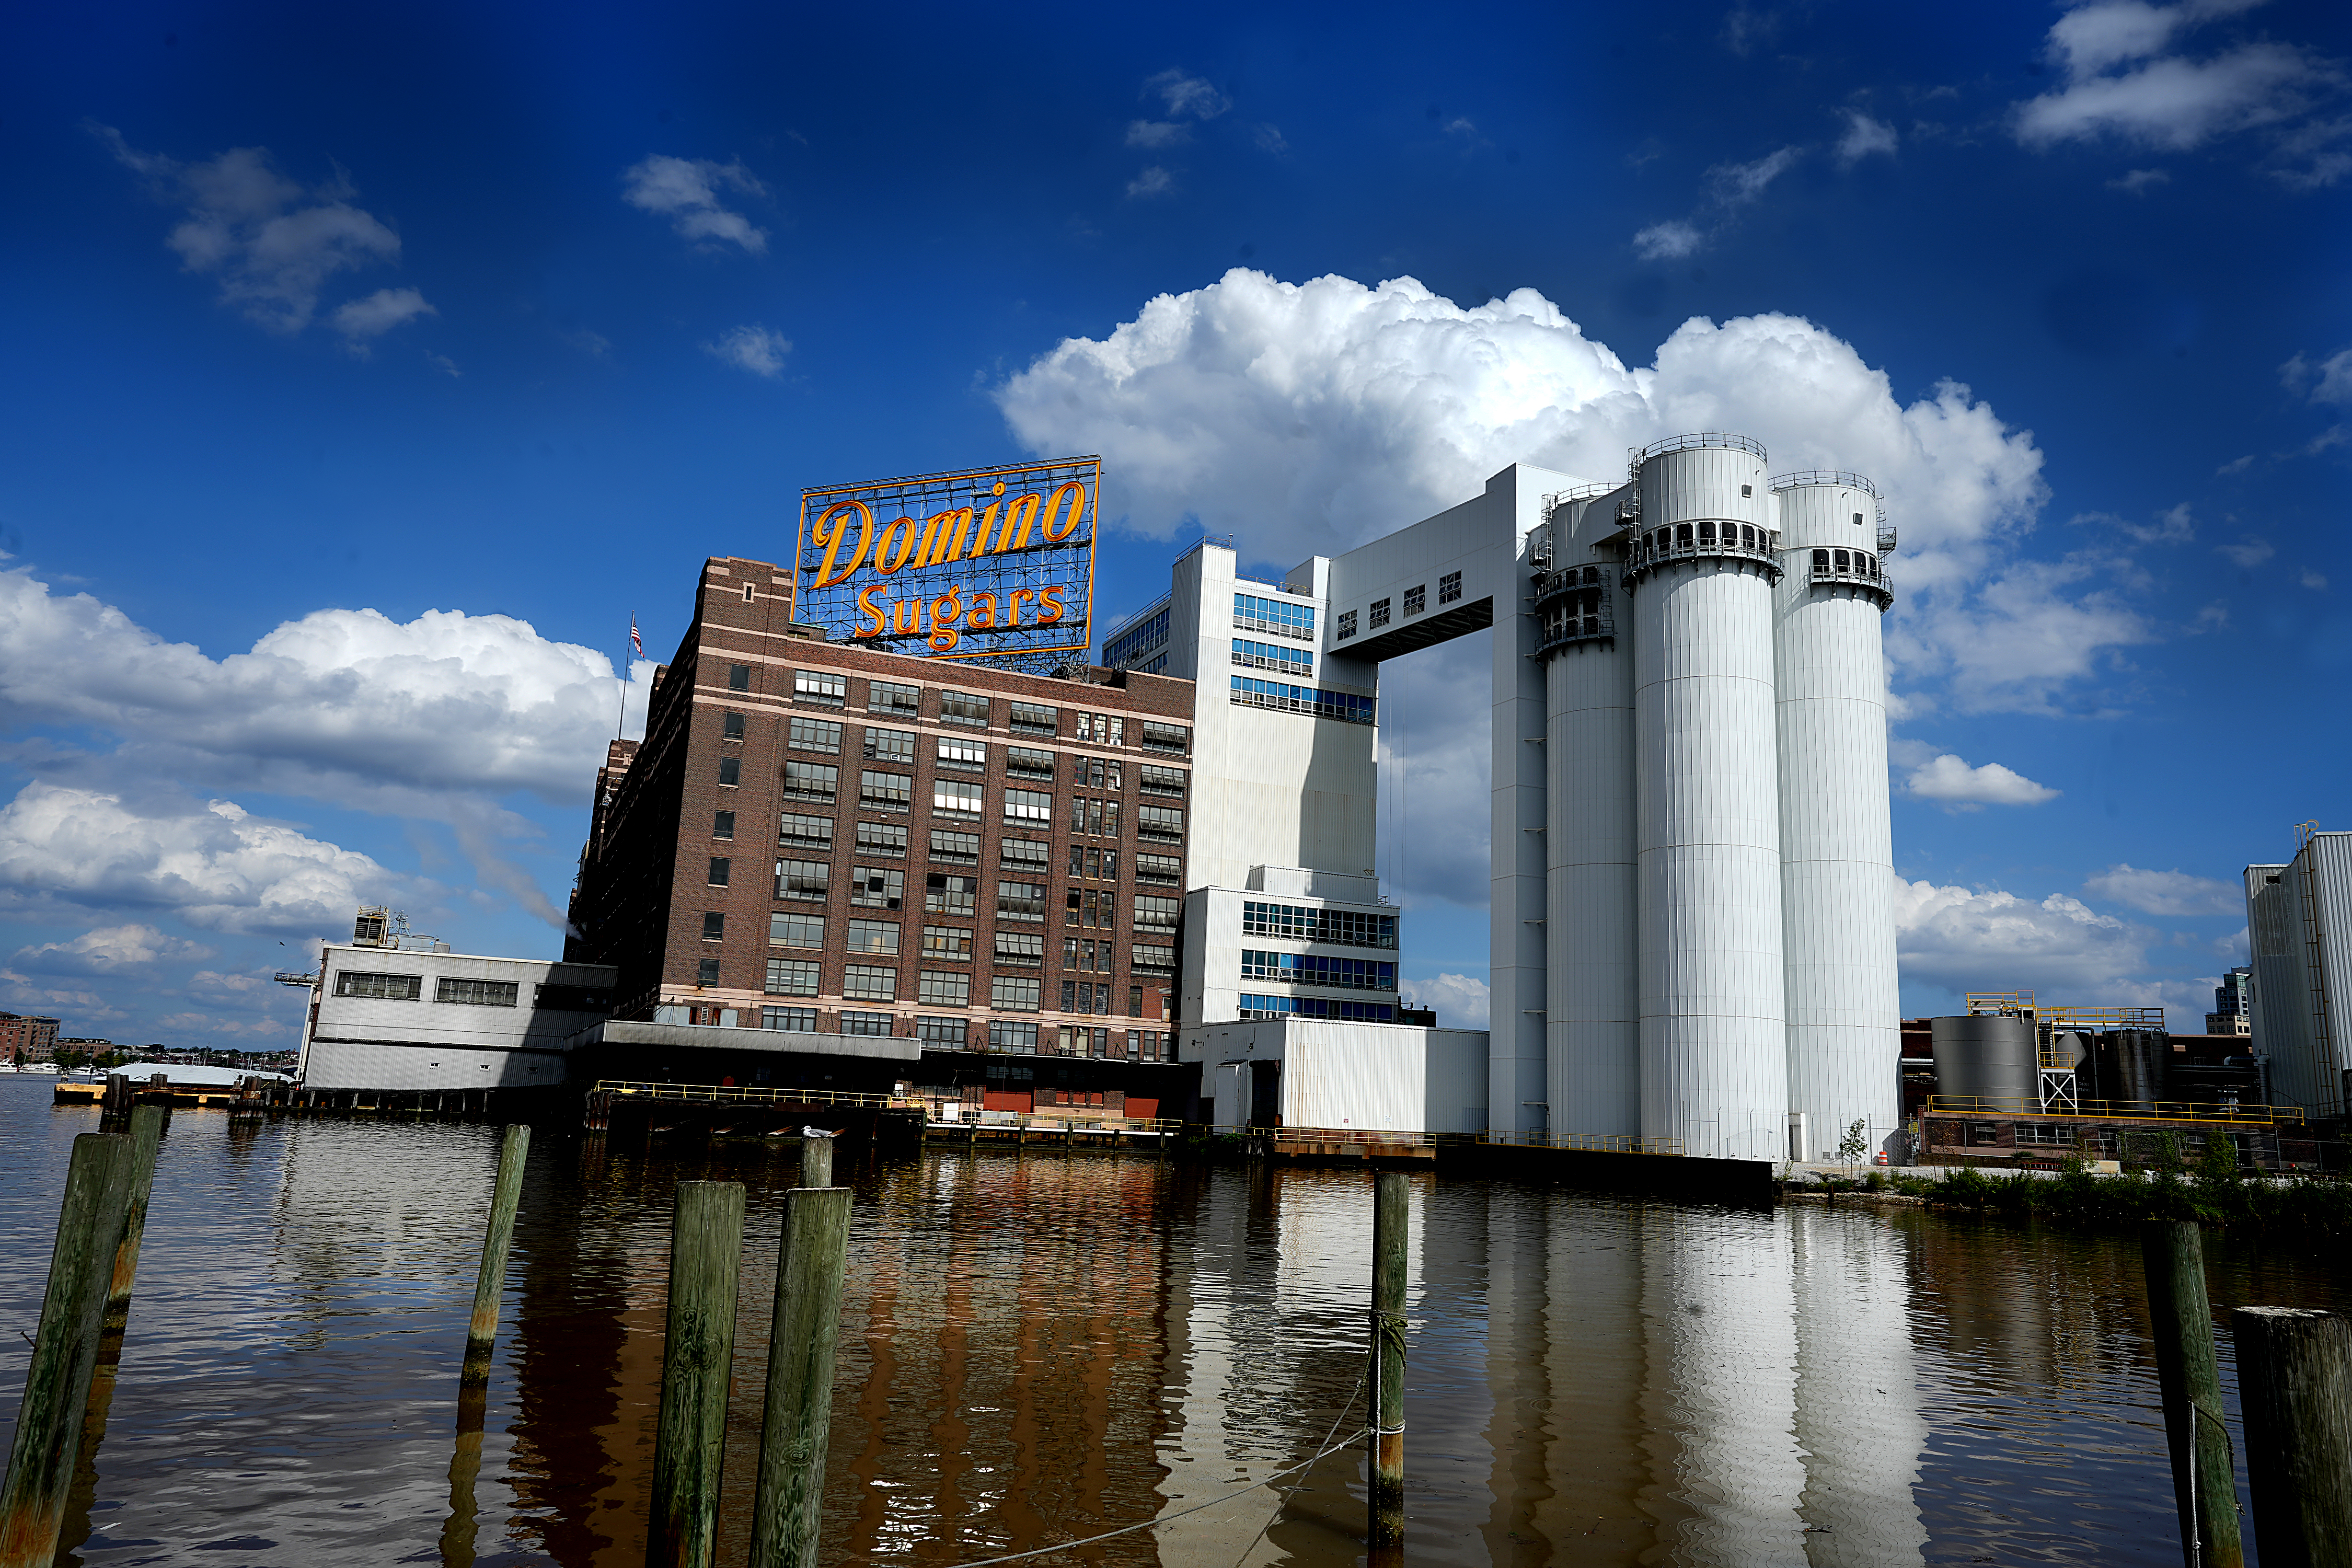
(738, 677)
(795, 930)
(721, 869)
(1158, 737)
(869, 982)
(944, 988)
(1147, 959)
(1156, 914)
(1020, 949)
(1024, 854)
(378, 987)
(1024, 762)
(722, 824)
(876, 888)
(949, 894)
(730, 727)
(707, 973)
(946, 1033)
(865, 1022)
(882, 839)
(730, 770)
(1021, 901)
(815, 735)
(1016, 994)
(1035, 718)
(811, 781)
(960, 756)
(955, 848)
(811, 832)
(962, 708)
(1028, 805)
(1160, 780)
(803, 1019)
(890, 746)
(947, 944)
(874, 936)
(951, 798)
(791, 977)
(714, 926)
(821, 686)
(1167, 871)
(803, 878)
(885, 792)
(1158, 821)
(1012, 1035)
(889, 697)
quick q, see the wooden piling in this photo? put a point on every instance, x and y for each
(706, 1259)
(65, 1353)
(816, 1161)
(789, 1505)
(2295, 1383)
(2204, 1481)
(1384, 1496)
(146, 1139)
(489, 1286)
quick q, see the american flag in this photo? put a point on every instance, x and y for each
(637, 643)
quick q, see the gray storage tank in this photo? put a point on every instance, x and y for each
(1986, 1056)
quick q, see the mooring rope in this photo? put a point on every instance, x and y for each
(1284, 1501)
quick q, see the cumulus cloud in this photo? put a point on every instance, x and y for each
(686, 192)
(361, 320)
(2310, 579)
(756, 348)
(1186, 96)
(1666, 241)
(1154, 181)
(105, 950)
(213, 866)
(1864, 137)
(1964, 940)
(271, 241)
(1459, 1000)
(2166, 892)
(2328, 381)
(1950, 780)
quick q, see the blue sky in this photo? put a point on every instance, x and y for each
(370, 371)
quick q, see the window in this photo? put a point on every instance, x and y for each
(378, 987)
(1011, 1035)
(1024, 854)
(714, 926)
(1160, 780)
(865, 1022)
(1028, 805)
(1449, 587)
(944, 988)
(1020, 949)
(1016, 994)
(1346, 624)
(1821, 560)
(1158, 821)
(1414, 600)
(821, 686)
(1024, 762)
(1318, 969)
(878, 888)
(947, 944)
(1141, 637)
(801, 1018)
(1103, 729)
(747, 593)
(1297, 923)
(738, 677)
(803, 878)
(961, 755)
(885, 838)
(811, 781)
(791, 977)
(955, 848)
(815, 735)
(722, 824)
(1167, 871)
(1316, 1007)
(1134, 1010)
(810, 832)
(2042, 1133)
(941, 1032)
(885, 792)
(795, 930)
(1274, 616)
(1281, 660)
(730, 727)
(1021, 901)
(721, 869)
(1158, 737)
(889, 697)
(947, 895)
(1151, 960)
(1156, 914)
(730, 770)
(890, 746)
(707, 973)
(1379, 617)
(1983, 1132)
(874, 936)
(1034, 719)
(963, 708)
(869, 982)
(950, 797)
(1323, 703)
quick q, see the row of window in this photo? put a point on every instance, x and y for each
(1701, 536)
(368, 985)
(1120, 651)
(1281, 660)
(1316, 1007)
(1449, 588)
(830, 688)
(1275, 617)
(1318, 969)
(1349, 928)
(890, 841)
(944, 893)
(1860, 561)
(1344, 706)
(1013, 1035)
(953, 944)
(819, 784)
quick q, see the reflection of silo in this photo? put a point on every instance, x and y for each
(1837, 855)
(1859, 1424)
(1987, 1056)
(1714, 1066)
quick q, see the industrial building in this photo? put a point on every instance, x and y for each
(2299, 924)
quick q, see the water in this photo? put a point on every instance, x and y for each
(1037, 1348)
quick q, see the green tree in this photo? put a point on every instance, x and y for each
(1854, 1146)
(2218, 1166)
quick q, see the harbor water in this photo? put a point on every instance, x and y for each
(1039, 1347)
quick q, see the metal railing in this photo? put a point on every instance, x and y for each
(1647, 557)
(1596, 1144)
(2176, 1111)
(1824, 477)
(1697, 439)
(744, 1094)
(1872, 580)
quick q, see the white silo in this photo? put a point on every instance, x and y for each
(1837, 855)
(1592, 987)
(1700, 578)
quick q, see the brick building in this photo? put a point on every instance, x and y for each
(32, 1039)
(823, 837)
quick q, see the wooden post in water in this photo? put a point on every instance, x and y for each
(706, 1261)
(816, 1161)
(146, 1138)
(2294, 1381)
(65, 1353)
(489, 1286)
(2204, 1479)
(1384, 1494)
(790, 1502)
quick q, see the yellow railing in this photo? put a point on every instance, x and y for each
(742, 1094)
(2113, 1111)
(1596, 1144)
(2022, 1004)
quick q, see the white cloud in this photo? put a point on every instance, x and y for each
(2138, 182)
(1963, 940)
(686, 192)
(1459, 1000)
(2174, 525)
(379, 313)
(1951, 781)
(1734, 185)
(2166, 892)
(1269, 140)
(1187, 96)
(2329, 381)
(213, 866)
(1154, 181)
(1157, 133)
(443, 363)
(1729, 188)
(1668, 241)
(756, 348)
(2248, 552)
(2235, 466)
(1864, 137)
(2310, 579)
(106, 948)
(272, 243)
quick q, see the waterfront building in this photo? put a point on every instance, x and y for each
(2299, 922)
(32, 1039)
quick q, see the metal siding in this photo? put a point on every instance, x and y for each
(1594, 1002)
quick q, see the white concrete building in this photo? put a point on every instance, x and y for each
(402, 1019)
(2299, 924)
(1691, 926)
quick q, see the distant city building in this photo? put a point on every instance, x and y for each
(2233, 1004)
(2299, 920)
(33, 1039)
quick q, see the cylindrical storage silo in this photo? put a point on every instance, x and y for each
(1593, 990)
(1986, 1056)
(1708, 822)
(1837, 852)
